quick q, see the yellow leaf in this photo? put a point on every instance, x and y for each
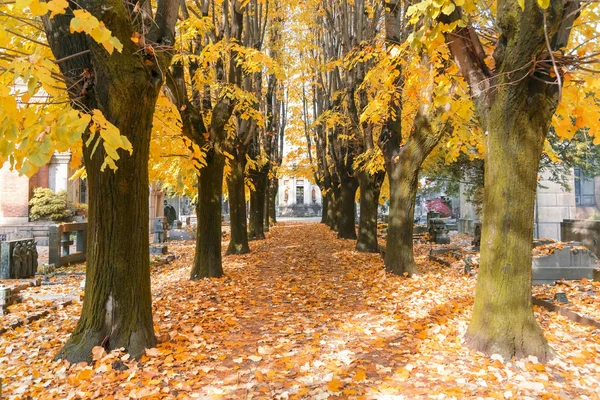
(116, 43)
(522, 4)
(57, 7)
(38, 8)
(100, 34)
(448, 8)
(544, 3)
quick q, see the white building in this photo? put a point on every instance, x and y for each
(298, 197)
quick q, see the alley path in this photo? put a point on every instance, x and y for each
(301, 316)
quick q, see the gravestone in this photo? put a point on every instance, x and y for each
(160, 230)
(561, 297)
(436, 227)
(572, 262)
(180, 234)
(18, 259)
(158, 249)
(584, 231)
(5, 298)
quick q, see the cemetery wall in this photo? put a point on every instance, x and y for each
(553, 204)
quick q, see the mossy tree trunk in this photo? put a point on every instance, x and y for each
(238, 244)
(514, 104)
(370, 187)
(117, 308)
(503, 321)
(212, 137)
(399, 257)
(403, 165)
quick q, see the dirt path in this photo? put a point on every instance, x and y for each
(303, 316)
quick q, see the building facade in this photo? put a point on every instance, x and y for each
(298, 197)
(554, 203)
(17, 190)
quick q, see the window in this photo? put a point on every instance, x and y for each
(584, 189)
(314, 196)
(299, 194)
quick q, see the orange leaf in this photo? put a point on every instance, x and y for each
(360, 376)
(84, 375)
(334, 385)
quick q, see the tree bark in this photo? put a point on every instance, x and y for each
(514, 104)
(370, 187)
(272, 203)
(267, 204)
(399, 257)
(333, 211)
(117, 308)
(257, 205)
(324, 207)
(238, 244)
(208, 259)
(503, 321)
(347, 208)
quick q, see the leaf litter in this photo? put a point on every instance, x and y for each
(302, 316)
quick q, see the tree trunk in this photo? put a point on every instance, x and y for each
(272, 203)
(334, 208)
(370, 187)
(404, 181)
(238, 244)
(257, 206)
(117, 309)
(347, 208)
(267, 203)
(503, 321)
(324, 207)
(208, 259)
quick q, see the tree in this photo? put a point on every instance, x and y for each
(100, 85)
(420, 75)
(205, 118)
(514, 102)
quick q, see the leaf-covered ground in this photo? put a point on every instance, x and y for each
(303, 316)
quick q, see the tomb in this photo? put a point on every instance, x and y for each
(571, 262)
(18, 259)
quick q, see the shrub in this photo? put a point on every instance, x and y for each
(47, 205)
(438, 205)
(80, 209)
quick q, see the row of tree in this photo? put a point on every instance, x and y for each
(193, 89)
(391, 82)
(197, 90)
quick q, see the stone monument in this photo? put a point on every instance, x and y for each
(18, 259)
